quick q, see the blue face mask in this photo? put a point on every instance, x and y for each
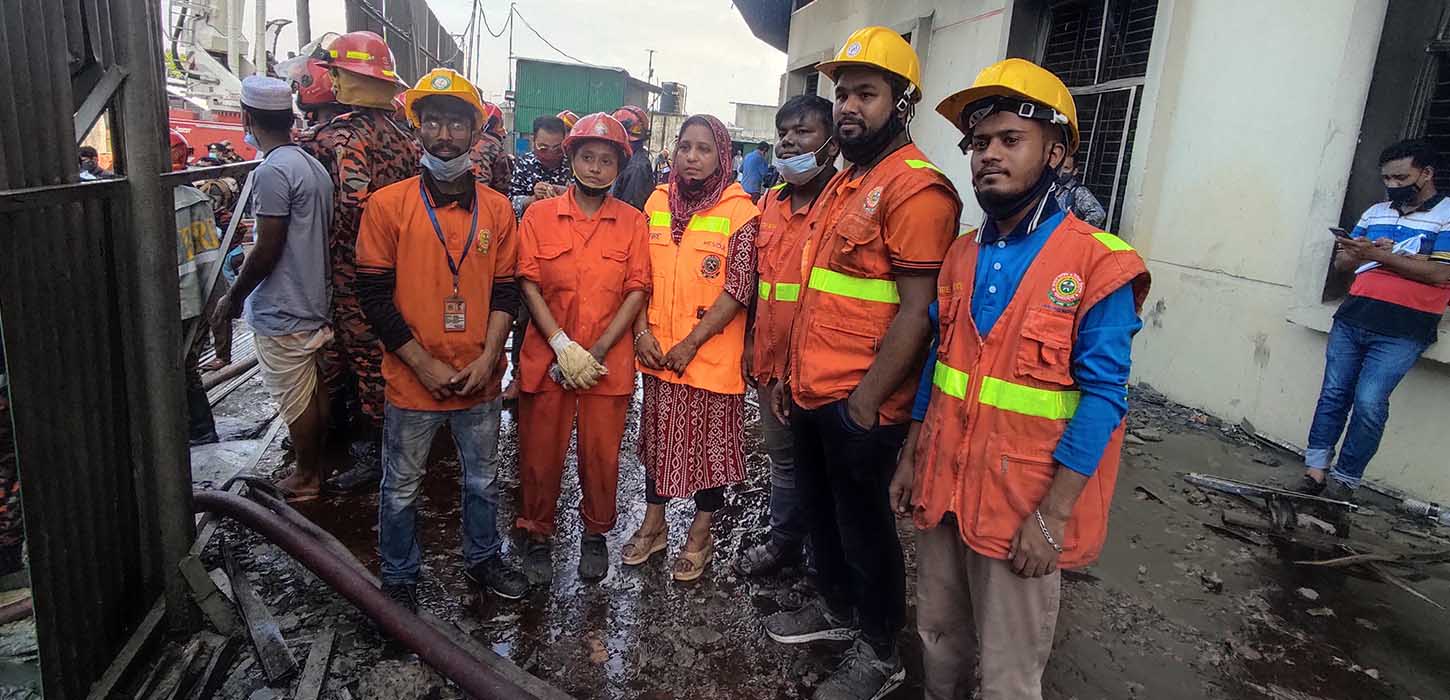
(252, 141)
(447, 170)
(798, 170)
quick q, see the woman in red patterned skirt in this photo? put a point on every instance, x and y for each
(690, 341)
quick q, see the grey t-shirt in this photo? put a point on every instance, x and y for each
(296, 296)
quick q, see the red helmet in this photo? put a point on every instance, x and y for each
(365, 54)
(598, 126)
(569, 118)
(314, 86)
(635, 121)
(493, 120)
(180, 150)
(400, 109)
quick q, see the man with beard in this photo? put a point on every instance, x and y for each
(878, 236)
(1010, 466)
(436, 257)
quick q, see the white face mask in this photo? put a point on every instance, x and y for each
(798, 170)
(447, 170)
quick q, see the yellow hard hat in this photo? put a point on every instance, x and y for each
(442, 81)
(1020, 80)
(882, 48)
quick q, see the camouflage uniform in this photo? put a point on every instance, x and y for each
(364, 151)
(491, 165)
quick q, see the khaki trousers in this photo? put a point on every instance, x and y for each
(970, 605)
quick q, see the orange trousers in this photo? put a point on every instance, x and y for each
(546, 420)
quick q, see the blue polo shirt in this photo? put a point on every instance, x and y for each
(1101, 356)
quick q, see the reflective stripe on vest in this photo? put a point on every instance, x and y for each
(1007, 396)
(784, 291)
(832, 282)
(919, 164)
(712, 224)
(1113, 243)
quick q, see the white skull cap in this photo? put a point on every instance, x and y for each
(262, 92)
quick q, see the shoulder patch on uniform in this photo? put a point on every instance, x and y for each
(1066, 291)
(873, 199)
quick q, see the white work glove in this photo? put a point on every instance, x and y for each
(579, 368)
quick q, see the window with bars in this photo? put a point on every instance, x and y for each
(813, 82)
(1100, 50)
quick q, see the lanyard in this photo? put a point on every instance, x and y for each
(453, 267)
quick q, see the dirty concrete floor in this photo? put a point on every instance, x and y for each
(1147, 621)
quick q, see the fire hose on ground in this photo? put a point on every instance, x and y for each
(435, 648)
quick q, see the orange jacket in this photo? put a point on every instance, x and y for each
(851, 262)
(584, 268)
(781, 243)
(999, 405)
(688, 278)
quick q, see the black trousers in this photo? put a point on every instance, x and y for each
(706, 500)
(843, 472)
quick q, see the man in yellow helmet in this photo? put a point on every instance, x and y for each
(879, 231)
(1009, 467)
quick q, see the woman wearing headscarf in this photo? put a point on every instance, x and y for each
(690, 341)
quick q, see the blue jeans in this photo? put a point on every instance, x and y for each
(787, 517)
(1361, 368)
(407, 438)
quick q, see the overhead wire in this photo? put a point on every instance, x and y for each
(561, 52)
(458, 45)
(506, 22)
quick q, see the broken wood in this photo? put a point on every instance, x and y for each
(184, 674)
(208, 596)
(207, 523)
(276, 659)
(217, 669)
(1420, 558)
(139, 640)
(223, 583)
(1400, 583)
(314, 673)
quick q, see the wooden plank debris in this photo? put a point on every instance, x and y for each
(139, 640)
(208, 596)
(314, 674)
(217, 669)
(276, 659)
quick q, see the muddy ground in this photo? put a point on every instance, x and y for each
(1172, 610)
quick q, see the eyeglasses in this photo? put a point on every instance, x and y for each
(457, 125)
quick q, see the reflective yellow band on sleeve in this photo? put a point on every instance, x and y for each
(786, 291)
(764, 290)
(920, 164)
(832, 282)
(1029, 401)
(950, 380)
(1113, 243)
(713, 224)
(659, 218)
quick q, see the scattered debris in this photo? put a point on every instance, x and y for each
(700, 637)
(208, 596)
(1321, 612)
(1308, 594)
(314, 673)
(1148, 435)
(271, 649)
(1212, 582)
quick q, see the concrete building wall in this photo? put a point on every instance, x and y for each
(1247, 136)
(756, 122)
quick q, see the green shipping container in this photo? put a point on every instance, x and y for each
(545, 88)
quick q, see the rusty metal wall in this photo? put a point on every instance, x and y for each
(419, 42)
(95, 465)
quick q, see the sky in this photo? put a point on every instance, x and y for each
(704, 44)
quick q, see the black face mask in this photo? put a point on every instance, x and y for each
(591, 191)
(1004, 207)
(866, 148)
(1400, 196)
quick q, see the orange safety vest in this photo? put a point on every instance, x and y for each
(1000, 404)
(779, 246)
(688, 278)
(850, 295)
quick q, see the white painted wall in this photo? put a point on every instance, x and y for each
(1250, 119)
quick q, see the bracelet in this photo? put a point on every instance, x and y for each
(1045, 533)
(639, 335)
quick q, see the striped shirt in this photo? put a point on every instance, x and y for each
(1384, 302)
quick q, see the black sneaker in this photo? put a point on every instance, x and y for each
(365, 475)
(1337, 490)
(404, 594)
(768, 558)
(862, 675)
(539, 563)
(1310, 486)
(496, 575)
(812, 623)
(593, 558)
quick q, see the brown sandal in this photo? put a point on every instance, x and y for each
(641, 547)
(691, 565)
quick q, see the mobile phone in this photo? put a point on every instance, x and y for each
(1338, 232)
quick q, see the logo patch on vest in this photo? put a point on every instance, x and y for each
(482, 246)
(1066, 290)
(873, 198)
(710, 267)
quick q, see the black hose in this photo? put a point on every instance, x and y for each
(436, 649)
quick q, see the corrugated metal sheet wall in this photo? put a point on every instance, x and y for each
(547, 88)
(89, 564)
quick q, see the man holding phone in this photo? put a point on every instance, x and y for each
(1399, 253)
(436, 256)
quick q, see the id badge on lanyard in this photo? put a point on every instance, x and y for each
(455, 309)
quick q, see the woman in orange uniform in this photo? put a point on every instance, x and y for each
(584, 272)
(691, 340)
